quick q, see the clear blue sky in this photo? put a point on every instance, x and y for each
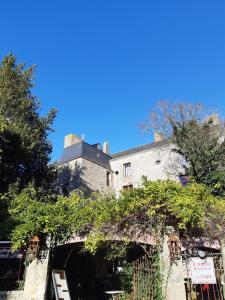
(104, 63)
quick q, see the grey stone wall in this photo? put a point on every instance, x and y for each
(95, 176)
(91, 176)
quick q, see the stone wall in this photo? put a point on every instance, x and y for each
(91, 175)
(35, 285)
(156, 163)
(95, 176)
(173, 275)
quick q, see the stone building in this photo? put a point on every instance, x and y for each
(88, 165)
(94, 168)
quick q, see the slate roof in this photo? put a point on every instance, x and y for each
(91, 153)
(87, 151)
(139, 149)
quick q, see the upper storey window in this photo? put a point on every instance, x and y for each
(108, 178)
(126, 170)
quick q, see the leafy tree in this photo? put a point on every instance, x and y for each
(198, 137)
(24, 145)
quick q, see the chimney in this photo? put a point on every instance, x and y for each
(71, 139)
(105, 148)
(158, 137)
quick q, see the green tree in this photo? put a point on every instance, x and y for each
(197, 136)
(24, 146)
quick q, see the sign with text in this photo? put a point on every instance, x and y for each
(202, 271)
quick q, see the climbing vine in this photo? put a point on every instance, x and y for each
(104, 219)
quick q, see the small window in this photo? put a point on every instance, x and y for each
(128, 187)
(108, 178)
(126, 170)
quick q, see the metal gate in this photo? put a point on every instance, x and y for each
(207, 291)
(146, 277)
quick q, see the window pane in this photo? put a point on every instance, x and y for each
(126, 170)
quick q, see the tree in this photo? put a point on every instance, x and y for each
(24, 146)
(197, 136)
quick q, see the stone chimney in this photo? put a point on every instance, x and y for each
(71, 139)
(105, 148)
(158, 137)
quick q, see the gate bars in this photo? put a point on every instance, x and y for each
(206, 291)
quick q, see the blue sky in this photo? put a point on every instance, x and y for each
(104, 64)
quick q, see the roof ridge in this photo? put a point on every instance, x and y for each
(140, 148)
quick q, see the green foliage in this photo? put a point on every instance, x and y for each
(37, 214)
(203, 147)
(126, 278)
(24, 146)
(105, 219)
(157, 275)
(197, 136)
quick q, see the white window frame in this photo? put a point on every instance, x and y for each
(127, 170)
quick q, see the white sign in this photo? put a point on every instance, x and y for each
(202, 271)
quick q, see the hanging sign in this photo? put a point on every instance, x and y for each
(202, 271)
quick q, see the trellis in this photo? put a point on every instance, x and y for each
(146, 277)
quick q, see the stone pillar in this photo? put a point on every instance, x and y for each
(35, 286)
(173, 275)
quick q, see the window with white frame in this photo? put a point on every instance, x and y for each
(126, 170)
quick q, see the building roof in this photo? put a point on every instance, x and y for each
(92, 153)
(87, 151)
(139, 149)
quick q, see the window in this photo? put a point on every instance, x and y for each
(128, 187)
(126, 170)
(108, 178)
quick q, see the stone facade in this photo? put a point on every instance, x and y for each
(95, 176)
(155, 163)
(104, 172)
(91, 175)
